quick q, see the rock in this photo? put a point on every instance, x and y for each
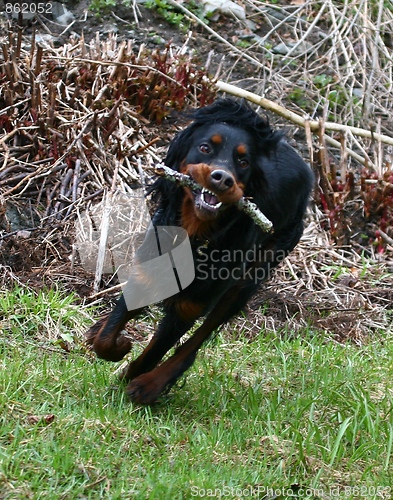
(45, 38)
(358, 92)
(109, 28)
(61, 14)
(283, 48)
(224, 7)
(251, 25)
(277, 15)
(23, 234)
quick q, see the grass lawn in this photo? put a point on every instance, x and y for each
(274, 418)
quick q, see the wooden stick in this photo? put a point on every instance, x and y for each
(105, 222)
(297, 119)
(243, 204)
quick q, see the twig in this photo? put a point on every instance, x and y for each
(145, 146)
(309, 30)
(374, 63)
(114, 288)
(19, 103)
(107, 207)
(243, 204)
(55, 164)
(76, 180)
(385, 237)
(117, 63)
(103, 240)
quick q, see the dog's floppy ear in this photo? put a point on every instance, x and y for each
(179, 147)
(166, 191)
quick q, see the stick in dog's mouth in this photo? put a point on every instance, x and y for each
(243, 204)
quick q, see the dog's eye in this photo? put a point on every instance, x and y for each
(243, 162)
(205, 148)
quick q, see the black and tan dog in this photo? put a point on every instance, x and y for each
(230, 151)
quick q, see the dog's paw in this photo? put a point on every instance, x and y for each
(111, 346)
(144, 390)
(111, 350)
(94, 330)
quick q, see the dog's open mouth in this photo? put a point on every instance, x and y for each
(206, 200)
(213, 190)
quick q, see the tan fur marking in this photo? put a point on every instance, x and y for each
(216, 139)
(189, 310)
(201, 174)
(241, 149)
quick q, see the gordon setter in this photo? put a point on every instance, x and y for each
(230, 151)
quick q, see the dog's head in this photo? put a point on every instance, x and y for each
(219, 151)
(219, 159)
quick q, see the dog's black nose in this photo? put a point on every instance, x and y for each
(222, 180)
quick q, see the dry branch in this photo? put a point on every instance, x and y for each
(297, 119)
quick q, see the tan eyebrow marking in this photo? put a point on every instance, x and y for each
(241, 149)
(216, 139)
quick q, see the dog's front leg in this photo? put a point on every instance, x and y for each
(105, 336)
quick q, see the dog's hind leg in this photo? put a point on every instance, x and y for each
(171, 328)
(146, 388)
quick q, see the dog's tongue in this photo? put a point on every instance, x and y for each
(206, 201)
(210, 198)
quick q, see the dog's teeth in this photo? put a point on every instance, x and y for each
(205, 191)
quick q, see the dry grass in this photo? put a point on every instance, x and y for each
(337, 291)
(339, 67)
(347, 43)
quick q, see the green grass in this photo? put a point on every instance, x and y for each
(273, 416)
